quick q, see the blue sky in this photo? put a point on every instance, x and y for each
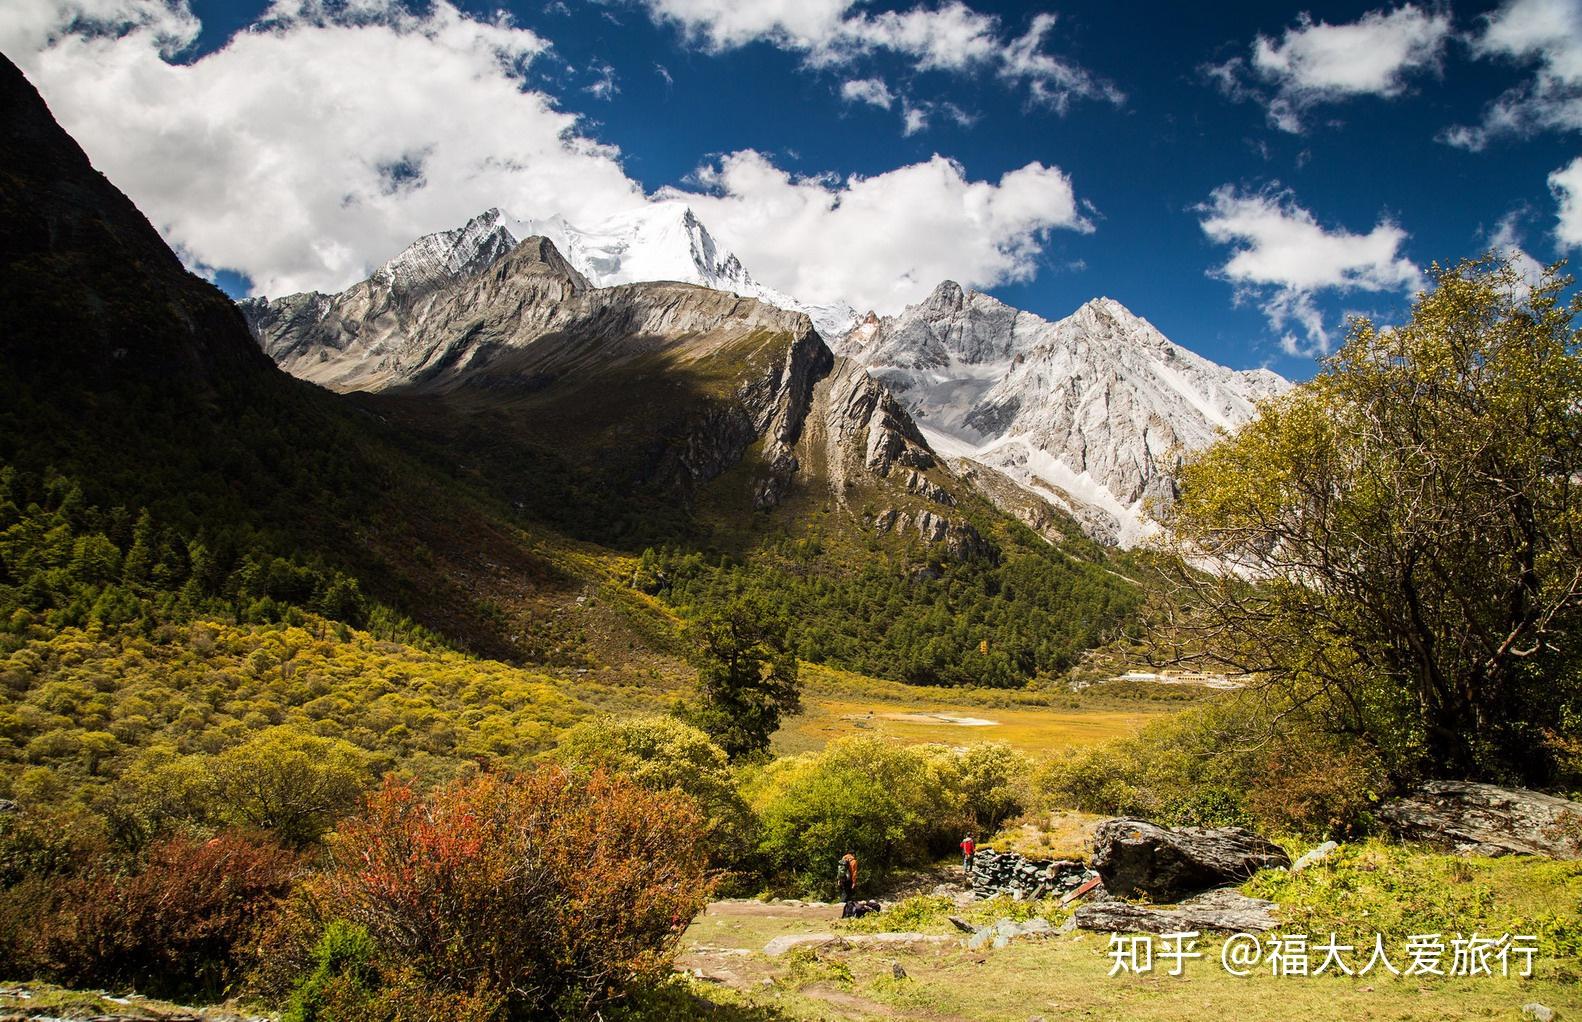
(1331, 165)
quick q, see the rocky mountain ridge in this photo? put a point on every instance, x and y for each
(678, 380)
(1091, 412)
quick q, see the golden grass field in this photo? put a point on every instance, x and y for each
(838, 704)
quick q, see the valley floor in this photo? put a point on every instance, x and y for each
(727, 975)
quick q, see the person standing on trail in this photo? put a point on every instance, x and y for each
(847, 875)
(968, 847)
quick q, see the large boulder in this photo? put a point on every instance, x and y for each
(1484, 819)
(1227, 910)
(1138, 858)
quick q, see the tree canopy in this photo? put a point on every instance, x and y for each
(1398, 543)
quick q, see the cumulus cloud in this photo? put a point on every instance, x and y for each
(1284, 259)
(1547, 36)
(1566, 183)
(872, 91)
(1315, 62)
(947, 37)
(319, 142)
(883, 241)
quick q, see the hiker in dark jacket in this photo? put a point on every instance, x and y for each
(847, 876)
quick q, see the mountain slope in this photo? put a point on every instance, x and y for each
(674, 419)
(133, 391)
(155, 470)
(662, 386)
(1091, 411)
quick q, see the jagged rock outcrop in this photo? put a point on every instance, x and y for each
(1137, 858)
(863, 413)
(1091, 412)
(1485, 819)
(1224, 910)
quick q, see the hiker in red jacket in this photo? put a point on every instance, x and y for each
(968, 847)
(847, 875)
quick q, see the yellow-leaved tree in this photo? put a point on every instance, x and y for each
(1396, 545)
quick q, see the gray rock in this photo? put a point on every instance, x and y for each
(1138, 858)
(780, 945)
(1538, 1012)
(1314, 856)
(1226, 910)
(1484, 819)
(897, 971)
(961, 924)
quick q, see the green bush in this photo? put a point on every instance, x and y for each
(868, 796)
(289, 783)
(343, 969)
(1227, 762)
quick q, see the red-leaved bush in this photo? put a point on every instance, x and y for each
(545, 892)
(177, 924)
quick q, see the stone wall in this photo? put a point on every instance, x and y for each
(1006, 873)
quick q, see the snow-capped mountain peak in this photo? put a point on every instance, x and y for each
(663, 240)
(1092, 411)
(444, 255)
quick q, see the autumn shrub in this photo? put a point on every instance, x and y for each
(179, 923)
(662, 753)
(1315, 784)
(544, 893)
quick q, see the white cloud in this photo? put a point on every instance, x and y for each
(1316, 62)
(1506, 241)
(1566, 183)
(315, 145)
(872, 91)
(1546, 34)
(605, 84)
(881, 242)
(1284, 258)
(947, 37)
(1050, 80)
(916, 115)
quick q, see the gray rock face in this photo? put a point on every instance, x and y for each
(1484, 819)
(1091, 412)
(1226, 910)
(1138, 858)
